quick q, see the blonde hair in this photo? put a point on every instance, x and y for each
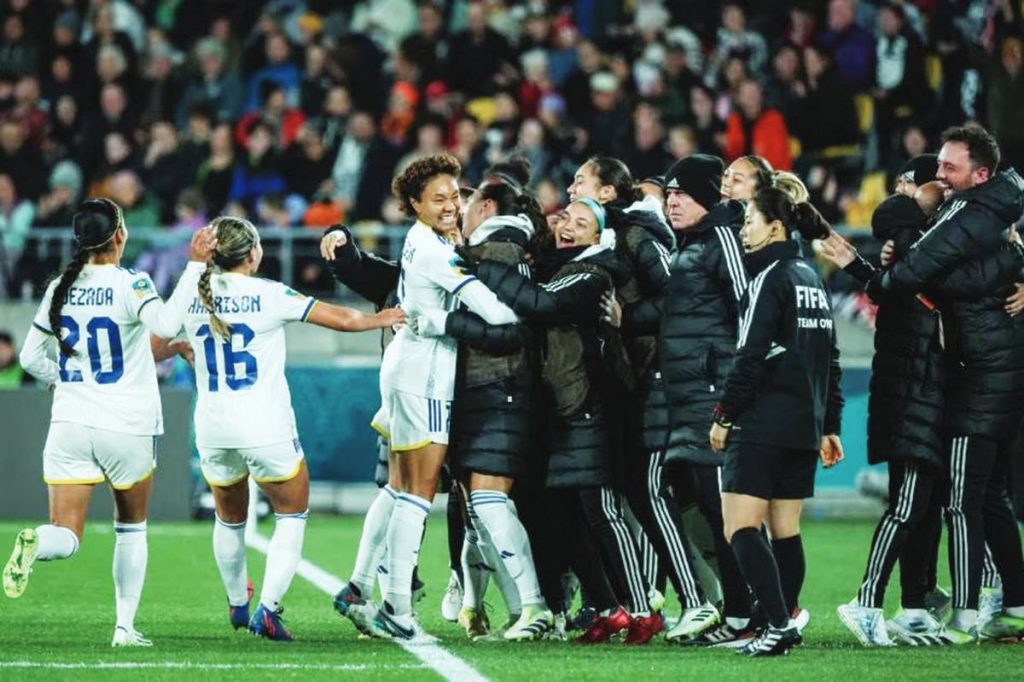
(792, 186)
(235, 237)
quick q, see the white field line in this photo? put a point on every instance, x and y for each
(442, 661)
(179, 665)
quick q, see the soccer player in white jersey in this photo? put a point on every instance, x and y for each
(417, 375)
(106, 407)
(244, 420)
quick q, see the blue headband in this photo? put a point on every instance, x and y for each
(596, 208)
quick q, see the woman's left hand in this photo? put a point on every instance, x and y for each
(611, 311)
(831, 450)
(719, 434)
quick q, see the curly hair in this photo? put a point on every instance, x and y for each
(409, 185)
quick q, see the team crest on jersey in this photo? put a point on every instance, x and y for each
(291, 292)
(458, 265)
(143, 288)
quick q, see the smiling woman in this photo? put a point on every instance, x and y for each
(417, 374)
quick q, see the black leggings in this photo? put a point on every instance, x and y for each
(914, 495)
(979, 509)
(564, 541)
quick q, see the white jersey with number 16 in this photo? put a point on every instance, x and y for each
(243, 395)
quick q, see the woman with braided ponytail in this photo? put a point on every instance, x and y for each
(244, 421)
(106, 408)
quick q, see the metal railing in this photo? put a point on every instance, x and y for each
(286, 248)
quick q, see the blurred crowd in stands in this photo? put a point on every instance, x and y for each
(298, 112)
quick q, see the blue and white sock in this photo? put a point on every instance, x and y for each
(131, 554)
(510, 542)
(372, 541)
(283, 557)
(229, 553)
(404, 537)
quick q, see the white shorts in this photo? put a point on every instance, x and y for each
(414, 421)
(267, 463)
(77, 454)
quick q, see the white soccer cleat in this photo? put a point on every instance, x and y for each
(990, 605)
(451, 603)
(800, 617)
(866, 623)
(534, 623)
(916, 627)
(557, 631)
(123, 637)
(693, 622)
(19, 566)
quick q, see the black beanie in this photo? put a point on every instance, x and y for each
(700, 176)
(920, 169)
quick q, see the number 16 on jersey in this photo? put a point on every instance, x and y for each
(240, 371)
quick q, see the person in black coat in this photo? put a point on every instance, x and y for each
(564, 303)
(985, 369)
(696, 319)
(643, 242)
(781, 404)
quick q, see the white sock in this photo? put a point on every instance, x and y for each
(511, 544)
(915, 613)
(1015, 611)
(283, 557)
(229, 553)
(964, 619)
(371, 542)
(55, 542)
(404, 537)
(737, 623)
(476, 571)
(131, 554)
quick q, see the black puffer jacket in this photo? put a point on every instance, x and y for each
(566, 306)
(698, 327)
(908, 378)
(783, 388)
(644, 243)
(985, 377)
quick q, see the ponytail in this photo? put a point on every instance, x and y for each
(776, 204)
(236, 237)
(60, 292)
(528, 205)
(94, 225)
(810, 222)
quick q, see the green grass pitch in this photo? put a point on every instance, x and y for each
(61, 627)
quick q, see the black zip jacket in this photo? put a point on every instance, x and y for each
(783, 388)
(985, 365)
(698, 321)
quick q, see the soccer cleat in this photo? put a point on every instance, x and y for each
(644, 628)
(1003, 626)
(475, 622)
(19, 566)
(990, 605)
(772, 642)
(394, 626)
(693, 622)
(557, 631)
(722, 635)
(656, 600)
(956, 636)
(583, 619)
(451, 603)
(939, 603)
(570, 588)
(800, 617)
(605, 627)
(916, 627)
(511, 620)
(268, 624)
(123, 637)
(238, 616)
(867, 624)
(533, 623)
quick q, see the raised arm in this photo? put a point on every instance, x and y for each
(371, 277)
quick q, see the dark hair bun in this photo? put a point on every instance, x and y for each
(809, 221)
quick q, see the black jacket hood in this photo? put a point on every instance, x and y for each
(1003, 195)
